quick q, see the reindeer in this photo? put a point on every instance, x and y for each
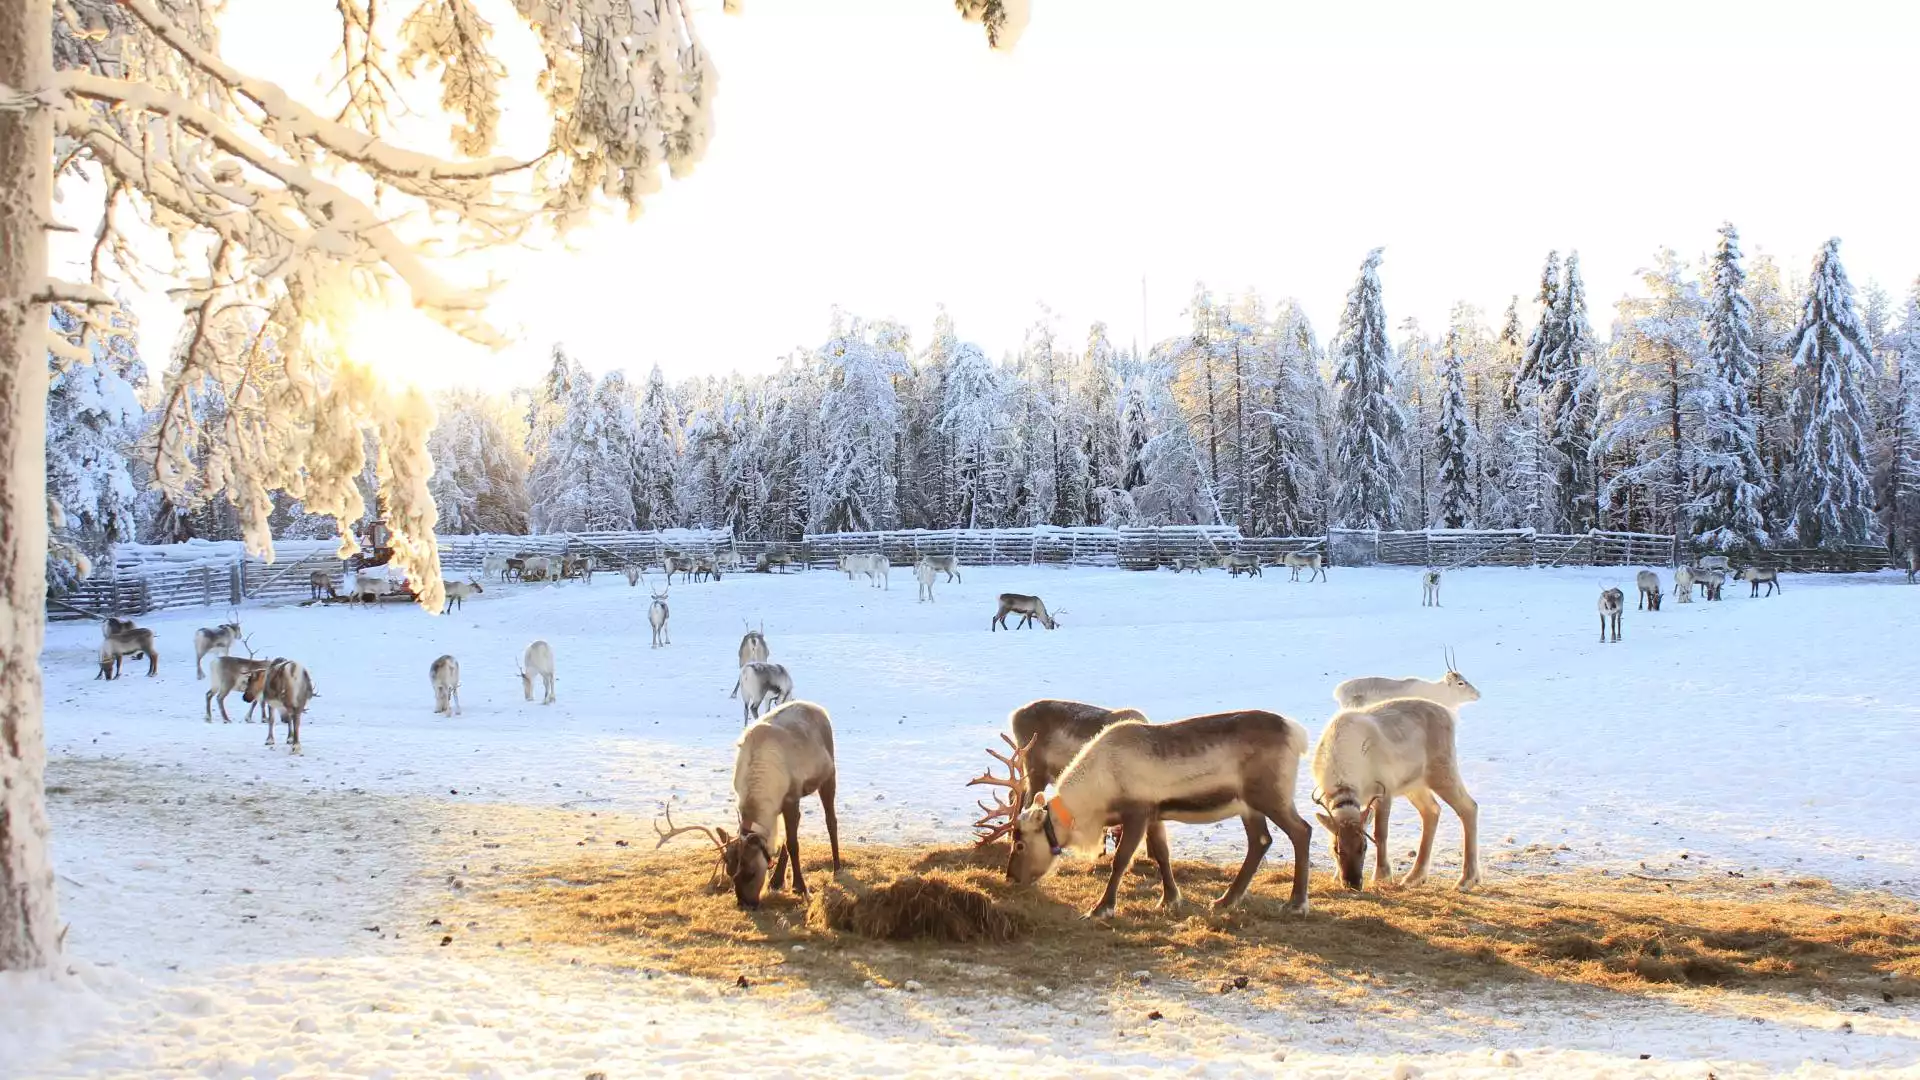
(1757, 577)
(706, 569)
(753, 649)
(760, 683)
(1248, 564)
(1452, 690)
(231, 673)
(444, 674)
(782, 759)
(1430, 588)
(117, 645)
(494, 566)
(577, 566)
(1181, 564)
(1307, 560)
(1045, 735)
(1648, 583)
(536, 568)
(1027, 607)
(1683, 585)
(1711, 582)
(923, 573)
(657, 615)
(457, 593)
(319, 582)
(1713, 562)
(1200, 770)
(516, 569)
(1913, 564)
(1365, 759)
(368, 588)
(537, 663)
(1611, 601)
(946, 564)
(770, 562)
(680, 564)
(875, 566)
(219, 639)
(285, 687)
(632, 570)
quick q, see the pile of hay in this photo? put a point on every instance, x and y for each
(918, 908)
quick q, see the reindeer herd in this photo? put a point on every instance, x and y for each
(1709, 573)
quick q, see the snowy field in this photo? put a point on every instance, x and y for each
(220, 892)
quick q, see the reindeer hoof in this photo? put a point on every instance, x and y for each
(1172, 903)
(1292, 908)
(1104, 911)
(1468, 884)
(1223, 904)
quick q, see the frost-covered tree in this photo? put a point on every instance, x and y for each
(1370, 430)
(656, 457)
(1572, 403)
(1454, 443)
(93, 418)
(972, 424)
(1732, 487)
(859, 412)
(479, 478)
(1903, 434)
(1294, 471)
(1832, 482)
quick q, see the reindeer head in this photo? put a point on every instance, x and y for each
(474, 584)
(746, 859)
(1349, 822)
(1036, 843)
(526, 680)
(1463, 690)
(1052, 619)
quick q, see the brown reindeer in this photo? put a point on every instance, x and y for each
(1027, 607)
(1045, 735)
(129, 640)
(320, 582)
(282, 687)
(1757, 577)
(1200, 770)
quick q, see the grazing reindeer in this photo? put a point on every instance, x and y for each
(320, 582)
(536, 568)
(117, 645)
(1683, 585)
(1046, 734)
(368, 589)
(706, 569)
(772, 562)
(1313, 561)
(657, 615)
(1248, 564)
(1649, 585)
(1368, 757)
(1181, 564)
(494, 566)
(946, 564)
(876, 566)
(923, 573)
(782, 759)
(1453, 690)
(516, 569)
(761, 683)
(444, 674)
(1430, 589)
(219, 639)
(633, 574)
(1027, 607)
(1711, 582)
(537, 663)
(1913, 564)
(1199, 770)
(753, 649)
(1713, 562)
(1611, 601)
(1757, 577)
(577, 566)
(282, 687)
(231, 673)
(457, 593)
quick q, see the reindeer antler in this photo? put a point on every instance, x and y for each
(672, 831)
(999, 818)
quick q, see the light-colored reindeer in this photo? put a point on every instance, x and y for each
(231, 673)
(1611, 603)
(120, 639)
(444, 674)
(219, 639)
(320, 582)
(1027, 607)
(923, 574)
(1683, 585)
(784, 758)
(946, 564)
(1430, 588)
(1042, 737)
(457, 593)
(1307, 560)
(1368, 757)
(1452, 690)
(762, 686)
(1648, 583)
(657, 615)
(632, 571)
(538, 663)
(753, 649)
(494, 566)
(1199, 770)
(1757, 577)
(876, 566)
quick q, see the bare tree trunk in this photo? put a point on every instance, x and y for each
(29, 925)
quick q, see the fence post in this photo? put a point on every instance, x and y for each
(236, 584)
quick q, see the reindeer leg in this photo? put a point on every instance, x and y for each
(1429, 808)
(1132, 830)
(792, 851)
(1382, 864)
(1258, 841)
(833, 821)
(1455, 795)
(1162, 856)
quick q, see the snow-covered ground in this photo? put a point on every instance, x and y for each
(219, 891)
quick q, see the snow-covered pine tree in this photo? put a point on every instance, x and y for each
(1417, 383)
(1731, 489)
(1832, 484)
(972, 424)
(656, 457)
(1098, 397)
(1903, 458)
(859, 424)
(1776, 301)
(1528, 395)
(1296, 458)
(1175, 489)
(557, 413)
(479, 477)
(93, 418)
(1513, 483)
(608, 480)
(1370, 438)
(1571, 406)
(1455, 440)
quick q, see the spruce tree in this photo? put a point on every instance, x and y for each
(1733, 482)
(1370, 430)
(1454, 442)
(1832, 488)
(1903, 463)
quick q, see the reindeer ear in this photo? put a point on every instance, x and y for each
(1039, 800)
(1325, 821)
(722, 834)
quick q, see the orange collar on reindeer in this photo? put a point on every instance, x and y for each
(1056, 807)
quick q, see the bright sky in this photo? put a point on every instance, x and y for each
(875, 155)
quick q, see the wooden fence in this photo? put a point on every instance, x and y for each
(201, 573)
